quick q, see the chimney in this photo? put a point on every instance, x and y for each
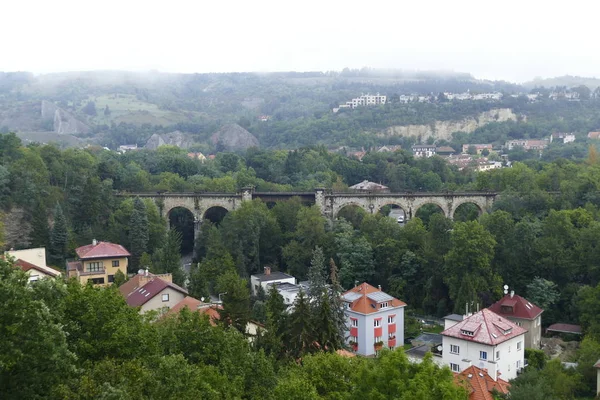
(267, 270)
(146, 272)
(512, 293)
(94, 242)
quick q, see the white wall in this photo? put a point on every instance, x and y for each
(366, 328)
(156, 303)
(255, 282)
(506, 364)
(35, 256)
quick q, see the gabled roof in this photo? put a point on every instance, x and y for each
(454, 317)
(521, 307)
(196, 305)
(101, 250)
(364, 298)
(480, 384)
(485, 327)
(565, 328)
(142, 295)
(26, 266)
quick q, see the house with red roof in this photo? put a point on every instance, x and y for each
(487, 341)
(480, 385)
(152, 292)
(374, 318)
(523, 313)
(33, 262)
(98, 263)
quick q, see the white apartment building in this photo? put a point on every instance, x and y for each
(424, 150)
(268, 278)
(374, 318)
(485, 340)
(366, 100)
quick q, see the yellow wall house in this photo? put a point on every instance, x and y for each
(98, 263)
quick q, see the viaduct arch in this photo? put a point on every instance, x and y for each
(330, 203)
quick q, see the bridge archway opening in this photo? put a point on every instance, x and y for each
(352, 213)
(467, 212)
(182, 220)
(395, 212)
(427, 210)
(215, 214)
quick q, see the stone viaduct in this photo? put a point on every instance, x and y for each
(330, 203)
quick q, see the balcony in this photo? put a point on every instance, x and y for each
(101, 271)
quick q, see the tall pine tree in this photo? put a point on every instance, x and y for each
(301, 338)
(273, 337)
(236, 301)
(40, 233)
(338, 316)
(317, 278)
(138, 233)
(168, 258)
(59, 238)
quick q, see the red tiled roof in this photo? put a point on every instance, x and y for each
(565, 328)
(26, 266)
(480, 384)
(594, 135)
(196, 305)
(521, 307)
(361, 302)
(142, 295)
(101, 250)
(487, 328)
(597, 365)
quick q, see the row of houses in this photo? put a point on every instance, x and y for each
(363, 100)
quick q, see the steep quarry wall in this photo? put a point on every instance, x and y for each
(445, 129)
(64, 122)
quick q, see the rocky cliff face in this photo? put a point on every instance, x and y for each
(64, 122)
(175, 138)
(445, 129)
(233, 138)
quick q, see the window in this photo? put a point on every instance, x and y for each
(111, 278)
(454, 349)
(33, 278)
(354, 322)
(518, 324)
(165, 297)
(391, 336)
(454, 367)
(377, 323)
(391, 319)
(377, 339)
(115, 263)
(384, 304)
(96, 281)
(497, 355)
(354, 339)
(94, 267)
(519, 345)
(483, 355)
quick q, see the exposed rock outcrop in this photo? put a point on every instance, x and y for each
(175, 138)
(445, 129)
(64, 122)
(233, 138)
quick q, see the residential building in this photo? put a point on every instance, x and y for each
(488, 341)
(480, 385)
(366, 100)
(424, 150)
(389, 148)
(128, 147)
(264, 118)
(560, 328)
(445, 151)
(367, 186)
(594, 135)
(485, 165)
(192, 304)
(527, 144)
(374, 319)
(197, 156)
(269, 277)
(452, 319)
(98, 263)
(523, 313)
(478, 148)
(33, 262)
(289, 291)
(562, 137)
(152, 292)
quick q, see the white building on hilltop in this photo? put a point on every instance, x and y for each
(487, 341)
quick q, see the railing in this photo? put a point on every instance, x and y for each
(101, 271)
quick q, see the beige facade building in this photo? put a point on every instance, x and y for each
(524, 314)
(33, 262)
(152, 292)
(98, 263)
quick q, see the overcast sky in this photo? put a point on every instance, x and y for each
(512, 40)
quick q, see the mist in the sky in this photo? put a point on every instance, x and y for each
(510, 40)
